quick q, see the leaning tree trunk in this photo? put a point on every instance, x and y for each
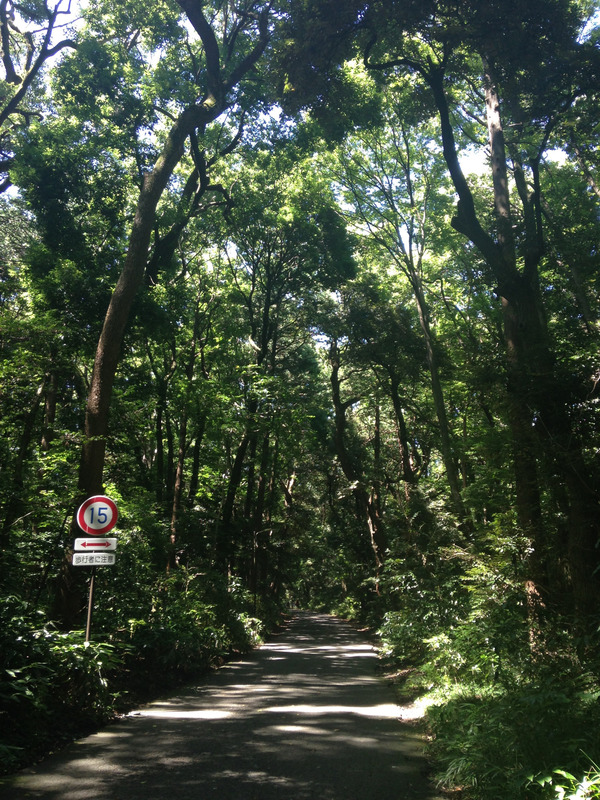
(117, 316)
(192, 119)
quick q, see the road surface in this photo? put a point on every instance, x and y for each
(305, 717)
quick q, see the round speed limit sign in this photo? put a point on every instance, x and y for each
(97, 515)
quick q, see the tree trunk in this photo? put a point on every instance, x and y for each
(194, 477)
(408, 475)
(224, 544)
(48, 433)
(446, 448)
(117, 315)
(258, 550)
(170, 464)
(366, 503)
(159, 462)
(537, 404)
(14, 500)
(177, 492)
(251, 476)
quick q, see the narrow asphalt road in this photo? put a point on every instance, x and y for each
(305, 717)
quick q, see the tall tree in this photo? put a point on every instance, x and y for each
(527, 64)
(226, 49)
(366, 493)
(394, 180)
(286, 243)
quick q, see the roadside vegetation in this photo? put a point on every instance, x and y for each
(56, 687)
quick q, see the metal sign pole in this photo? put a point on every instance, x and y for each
(90, 606)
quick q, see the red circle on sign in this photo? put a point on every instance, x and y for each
(97, 515)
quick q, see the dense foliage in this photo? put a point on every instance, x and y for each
(312, 294)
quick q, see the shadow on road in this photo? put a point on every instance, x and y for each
(303, 717)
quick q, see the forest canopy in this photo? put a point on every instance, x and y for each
(310, 290)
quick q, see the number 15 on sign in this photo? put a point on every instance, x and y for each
(97, 515)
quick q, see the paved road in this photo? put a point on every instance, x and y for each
(305, 717)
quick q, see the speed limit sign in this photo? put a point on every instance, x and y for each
(97, 515)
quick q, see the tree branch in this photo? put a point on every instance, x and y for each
(193, 11)
(259, 48)
(11, 74)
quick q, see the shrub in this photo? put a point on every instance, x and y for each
(54, 681)
(517, 743)
(49, 682)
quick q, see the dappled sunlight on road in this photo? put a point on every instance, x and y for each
(303, 717)
(386, 711)
(352, 649)
(166, 713)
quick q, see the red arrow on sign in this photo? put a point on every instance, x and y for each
(95, 544)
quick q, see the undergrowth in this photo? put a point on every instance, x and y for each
(54, 686)
(513, 706)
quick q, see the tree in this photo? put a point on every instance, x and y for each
(480, 48)
(27, 38)
(114, 104)
(536, 405)
(393, 178)
(223, 70)
(286, 243)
